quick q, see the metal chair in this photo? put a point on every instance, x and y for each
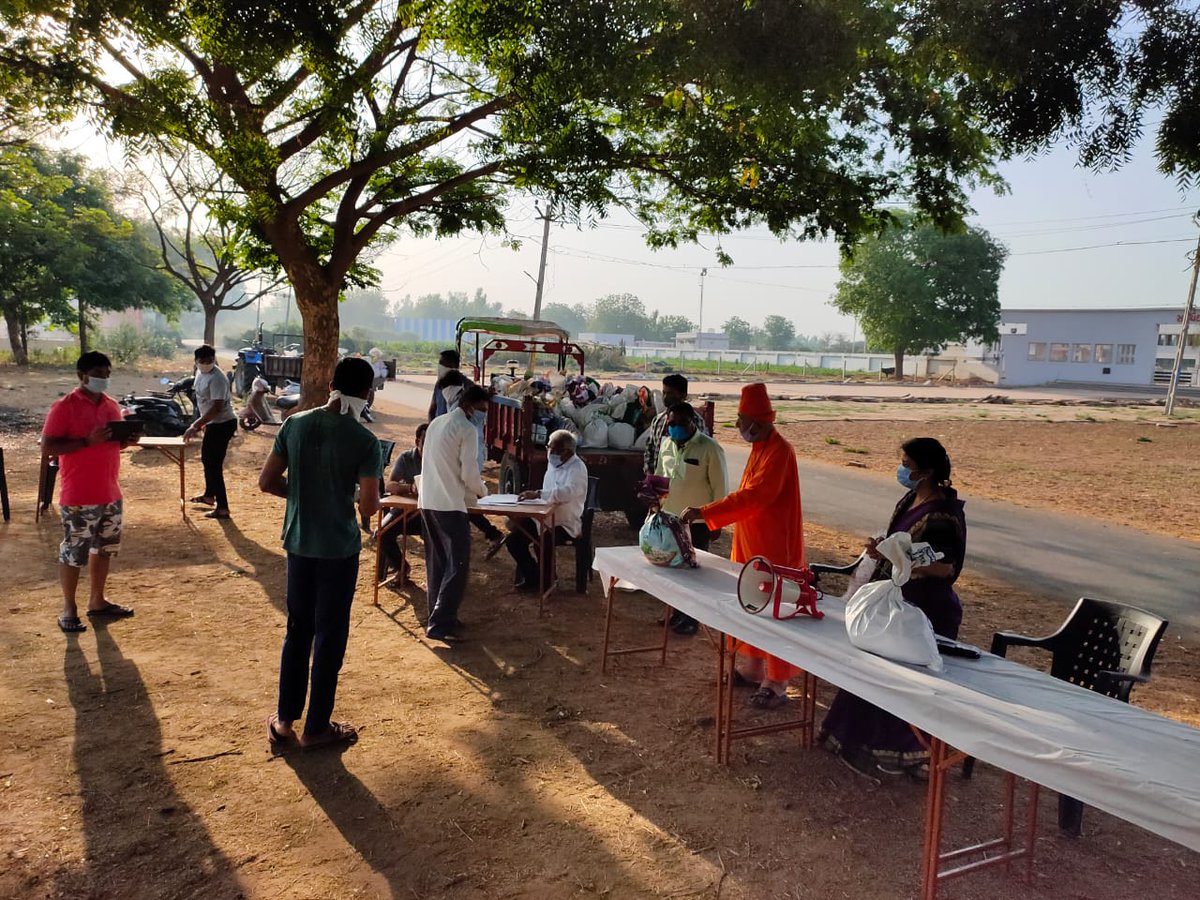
(1102, 646)
(585, 552)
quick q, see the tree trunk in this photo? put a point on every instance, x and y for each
(210, 326)
(318, 305)
(13, 321)
(83, 328)
(898, 375)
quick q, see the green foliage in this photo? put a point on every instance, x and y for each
(915, 288)
(740, 333)
(779, 332)
(343, 124)
(63, 244)
(124, 344)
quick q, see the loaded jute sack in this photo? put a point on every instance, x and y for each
(665, 539)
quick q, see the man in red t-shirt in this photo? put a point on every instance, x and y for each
(89, 459)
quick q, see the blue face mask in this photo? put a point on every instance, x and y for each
(904, 476)
(679, 433)
(554, 459)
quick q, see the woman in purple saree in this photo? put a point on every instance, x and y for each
(868, 739)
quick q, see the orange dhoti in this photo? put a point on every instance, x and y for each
(767, 521)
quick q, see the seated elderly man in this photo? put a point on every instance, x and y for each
(565, 487)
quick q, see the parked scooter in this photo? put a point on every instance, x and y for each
(164, 413)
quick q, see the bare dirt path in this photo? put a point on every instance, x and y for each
(133, 760)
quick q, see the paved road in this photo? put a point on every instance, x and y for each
(1052, 552)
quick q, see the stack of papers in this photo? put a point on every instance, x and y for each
(503, 500)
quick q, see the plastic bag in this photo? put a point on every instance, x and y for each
(595, 433)
(620, 436)
(879, 619)
(861, 575)
(667, 541)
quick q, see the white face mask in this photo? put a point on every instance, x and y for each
(95, 385)
(442, 370)
(207, 367)
(351, 406)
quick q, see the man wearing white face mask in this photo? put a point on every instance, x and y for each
(565, 487)
(77, 432)
(219, 424)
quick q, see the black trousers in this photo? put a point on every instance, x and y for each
(319, 593)
(447, 565)
(217, 436)
(518, 543)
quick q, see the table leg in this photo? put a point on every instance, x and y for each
(378, 554)
(183, 483)
(401, 522)
(610, 593)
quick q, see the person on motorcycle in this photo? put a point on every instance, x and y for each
(219, 424)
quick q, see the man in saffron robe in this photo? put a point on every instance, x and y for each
(765, 513)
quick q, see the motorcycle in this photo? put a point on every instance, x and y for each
(165, 413)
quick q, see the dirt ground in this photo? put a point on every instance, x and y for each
(133, 759)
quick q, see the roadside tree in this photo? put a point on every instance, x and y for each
(916, 288)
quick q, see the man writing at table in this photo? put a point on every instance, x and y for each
(565, 488)
(765, 512)
(77, 432)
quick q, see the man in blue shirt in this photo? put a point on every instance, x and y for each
(319, 458)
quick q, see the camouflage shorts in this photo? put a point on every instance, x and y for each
(90, 529)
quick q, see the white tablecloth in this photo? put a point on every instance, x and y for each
(1134, 764)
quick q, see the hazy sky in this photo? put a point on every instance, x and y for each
(1052, 208)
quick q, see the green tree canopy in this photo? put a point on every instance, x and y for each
(340, 122)
(740, 333)
(916, 288)
(779, 332)
(64, 250)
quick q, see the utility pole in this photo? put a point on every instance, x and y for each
(541, 279)
(1183, 331)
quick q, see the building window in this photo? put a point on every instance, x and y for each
(1037, 350)
(1104, 354)
(1193, 339)
(1060, 352)
(1168, 340)
(1081, 353)
(1125, 354)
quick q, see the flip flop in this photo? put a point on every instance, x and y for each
(217, 514)
(112, 611)
(338, 733)
(204, 501)
(765, 698)
(71, 624)
(278, 742)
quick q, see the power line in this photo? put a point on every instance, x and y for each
(1099, 246)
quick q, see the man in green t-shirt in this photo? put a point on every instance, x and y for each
(320, 457)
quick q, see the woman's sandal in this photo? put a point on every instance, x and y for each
(337, 733)
(765, 698)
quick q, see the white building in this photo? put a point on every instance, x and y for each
(703, 340)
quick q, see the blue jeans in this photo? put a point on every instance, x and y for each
(319, 593)
(447, 565)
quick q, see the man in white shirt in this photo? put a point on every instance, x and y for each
(450, 482)
(214, 401)
(565, 488)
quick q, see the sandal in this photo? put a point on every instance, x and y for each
(217, 514)
(277, 742)
(71, 624)
(204, 501)
(741, 681)
(765, 698)
(111, 611)
(336, 733)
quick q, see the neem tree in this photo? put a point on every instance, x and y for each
(343, 124)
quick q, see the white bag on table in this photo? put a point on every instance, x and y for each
(879, 619)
